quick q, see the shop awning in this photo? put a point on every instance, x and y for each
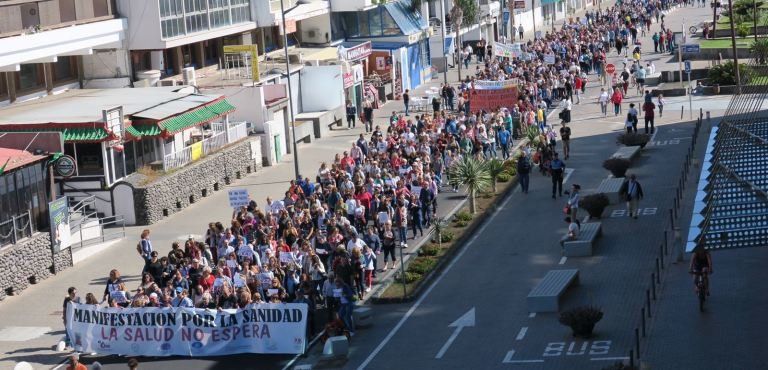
(139, 131)
(81, 135)
(308, 9)
(385, 45)
(409, 22)
(196, 117)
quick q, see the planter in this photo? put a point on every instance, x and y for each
(619, 173)
(617, 166)
(595, 204)
(581, 320)
(583, 330)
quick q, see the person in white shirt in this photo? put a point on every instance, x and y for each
(603, 100)
(573, 231)
(351, 205)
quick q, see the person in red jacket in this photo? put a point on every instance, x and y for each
(616, 100)
(648, 109)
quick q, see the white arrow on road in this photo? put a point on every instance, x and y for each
(467, 319)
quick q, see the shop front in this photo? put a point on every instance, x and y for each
(356, 57)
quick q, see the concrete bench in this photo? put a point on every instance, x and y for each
(304, 132)
(583, 245)
(336, 347)
(627, 152)
(362, 317)
(545, 297)
(610, 187)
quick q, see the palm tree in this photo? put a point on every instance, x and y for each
(495, 168)
(473, 174)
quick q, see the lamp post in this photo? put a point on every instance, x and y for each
(733, 46)
(457, 16)
(290, 94)
(442, 37)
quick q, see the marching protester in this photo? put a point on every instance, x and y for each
(631, 191)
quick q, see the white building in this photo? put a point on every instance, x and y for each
(51, 46)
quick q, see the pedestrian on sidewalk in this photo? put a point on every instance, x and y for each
(145, 248)
(565, 113)
(504, 137)
(565, 136)
(631, 191)
(520, 31)
(648, 109)
(406, 100)
(351, 115)
(655, 38)
(603, 101)
(523, 171)
(616, 99)
(388, 245)
(368, 115)
(631, 122)
(660, 101)
(557, 169)
(573, 201)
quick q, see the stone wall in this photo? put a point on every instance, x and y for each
(29, 260)
(175, 191)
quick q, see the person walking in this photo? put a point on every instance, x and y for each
(616, 99)
(573, 201)
(351, 115)
(504, 137)
(557, 169)
(660, 101)
(648, 109)
(631, 122)
(520, 31)
(145, 249)
(368, 115)
(603, 100)
(631, 191)
(565, 136)
(407, 100)
(523, 171)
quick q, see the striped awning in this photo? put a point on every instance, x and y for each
(80, 135)
(196, 117)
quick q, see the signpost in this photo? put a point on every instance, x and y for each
(690, 88)
(610, 69)
(691, 48)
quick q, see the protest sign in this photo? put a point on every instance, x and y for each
(493, 99)
(286, 257)
(238, 198)
(175, 331)
(506, 50)
(266, 278)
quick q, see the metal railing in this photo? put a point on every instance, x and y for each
(112, 227)
(209, 145)
(16, 228)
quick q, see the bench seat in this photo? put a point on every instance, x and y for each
(610, 187)
(583, 245)
(545, 296)
(627, 152)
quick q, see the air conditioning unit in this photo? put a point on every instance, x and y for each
(189, 77)
(312, 33)
(296, 58)
(168, 83)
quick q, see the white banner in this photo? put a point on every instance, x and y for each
(494, 85)
(264, 328)
(506, 50)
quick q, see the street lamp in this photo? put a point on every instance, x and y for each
(290, 94)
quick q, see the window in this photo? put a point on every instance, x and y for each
(241, 11)
(374, 21)
(89, 159)
(389, 26)
(362, 24)
(30, 77)
(172, 18)
(196, 13)
(350, 24)
(424, 53)
(64, 69)
(100, 8)
(67, 11)
(219, 13)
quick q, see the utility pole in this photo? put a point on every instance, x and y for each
(290, 94)
(714, 18)
(533, 16)
(754, 16)
(680, 53)
(733, 46)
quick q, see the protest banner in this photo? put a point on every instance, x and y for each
(493, 99)
(506, 50)
(494, 85)
(174, 331)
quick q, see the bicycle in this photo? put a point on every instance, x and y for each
(702, 287)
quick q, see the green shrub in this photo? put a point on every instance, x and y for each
(410, 277)
(464, 216)
(461, 223)
(422, 265)
(743, 30)
(446, 236)
(429, 250)
(723, 74)
(504, 177)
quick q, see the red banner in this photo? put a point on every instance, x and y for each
(491, 100)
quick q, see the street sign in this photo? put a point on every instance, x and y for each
(610, 69)
(691, 48)
(687, 66)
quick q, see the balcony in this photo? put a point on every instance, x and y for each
(47, 44)
(489, 9)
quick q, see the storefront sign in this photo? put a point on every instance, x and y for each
(358, 52)
(173, 331)
(519, 4)
(349, 79)
(113, 118)
(58, 213)
(290, 26)
(65, 166)
(494, 99)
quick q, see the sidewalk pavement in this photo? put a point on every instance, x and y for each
(31, 322)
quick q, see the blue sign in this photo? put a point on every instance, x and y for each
(505, 16)
(687, 66)
(691, 48)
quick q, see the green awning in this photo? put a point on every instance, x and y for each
(138, 131)
(196, 117)
(95, 134)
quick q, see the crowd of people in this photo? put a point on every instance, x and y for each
(324, 241)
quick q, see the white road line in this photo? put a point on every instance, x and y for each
(653, 137)
(585, 219)
(568, 173)
(523, 361)
(426, 293)
(532, 314)
(562, 260)
(508, 357)
(609, 358)
(522, 332)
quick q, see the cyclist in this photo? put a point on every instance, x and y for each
(701, 263)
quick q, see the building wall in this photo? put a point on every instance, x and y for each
(178, 190)
(30, 258)
(143, 23)
(321, 25)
